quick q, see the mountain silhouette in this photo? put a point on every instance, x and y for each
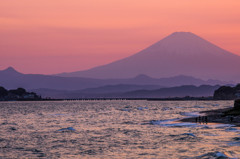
(11, 79)
(131, 91)
(10, 71)
(181, 53)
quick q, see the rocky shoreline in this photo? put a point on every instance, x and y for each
(223, 116)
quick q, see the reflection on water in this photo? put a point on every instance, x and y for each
(113, 129)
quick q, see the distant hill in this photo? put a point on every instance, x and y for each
(117, 92)
(181, 91)
(181, 53)
(108, 89)
(120, 88)
(10, 78)
(227, 92)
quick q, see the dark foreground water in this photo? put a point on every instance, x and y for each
(113, 129)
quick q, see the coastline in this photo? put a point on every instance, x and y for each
(218, 116)
(119, 98)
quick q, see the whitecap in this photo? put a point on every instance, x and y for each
(210, 134)
(190, 114)
(181, 125)
(158, 122)
(234, 144)
(179, 107)
(222, 126)
(198, 106)
(127, 110)
(216, 154)
(172, 123)
(60, 114)
(185, 137)
(219, 126)
(189, 134)
(232, 129)
(67, 129)
(166, 108)
(142, 108)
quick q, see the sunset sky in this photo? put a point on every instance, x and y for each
(53, 36)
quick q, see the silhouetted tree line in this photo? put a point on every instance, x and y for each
(227, 92)
(17, 94)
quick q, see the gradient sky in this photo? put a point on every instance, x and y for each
(53, 36)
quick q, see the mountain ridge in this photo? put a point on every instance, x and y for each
(179, 91)
(11, 79)
(181, 53)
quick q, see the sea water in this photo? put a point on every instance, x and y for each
(114, 129)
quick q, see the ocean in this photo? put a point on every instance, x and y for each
(114, 129)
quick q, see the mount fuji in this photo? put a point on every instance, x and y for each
(181, 53)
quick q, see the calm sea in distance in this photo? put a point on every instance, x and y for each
(114, 129)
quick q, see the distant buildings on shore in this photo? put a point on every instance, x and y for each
(17, 94)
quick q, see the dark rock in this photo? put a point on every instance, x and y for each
(41, 155)
(224, 92)
(12, 128)
(237, 104)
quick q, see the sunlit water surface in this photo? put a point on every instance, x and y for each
(113, 129)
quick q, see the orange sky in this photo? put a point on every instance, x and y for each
(53, 36)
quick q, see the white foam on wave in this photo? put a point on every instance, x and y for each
(189, 134)
(60, 114)
(215, 155)
(179, 107)
(190, 114)
(216, 126)
(198, 106)
(142, 108)
(180, 125)
(209, 134)
(126, 110)
(157, 122)
(234, 144)
(232, 129)
(67, 129)
(173, 123)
